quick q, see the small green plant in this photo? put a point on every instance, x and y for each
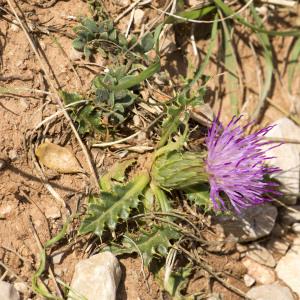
(104, 38)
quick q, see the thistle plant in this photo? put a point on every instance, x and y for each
(234, 165)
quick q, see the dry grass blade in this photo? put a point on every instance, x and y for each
(268, 62)
(214, 274)
(293, 63)
(231, 65)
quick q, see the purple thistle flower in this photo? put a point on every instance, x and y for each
(236, 165)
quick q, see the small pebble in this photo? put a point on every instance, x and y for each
(296, 227)
(52, 213)
(56, 259)
(12, 154)
(249, 280)
(21, 287)
(138, 16)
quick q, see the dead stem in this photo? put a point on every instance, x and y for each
(212, 273)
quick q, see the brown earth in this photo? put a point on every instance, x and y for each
(26, 205)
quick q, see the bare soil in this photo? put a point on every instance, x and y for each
(29, 214)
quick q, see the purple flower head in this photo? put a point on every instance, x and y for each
(236, 166)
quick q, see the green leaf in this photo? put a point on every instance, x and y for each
(268, 64)
(293, 63)
(147, 42)
(190, 15)
(130, 81)
(232, 81)
(105, 210)
(69, 98)
(199, 195)
(78, 44)
(156, 242)
(177, 281)
(117, 172)
(161, 197)
(229, 12)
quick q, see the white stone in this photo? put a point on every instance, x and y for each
(254, 223)
(287, 157)
(13, 154)
(8, 292)
(261, 274)
(261, 255)
(138, 16)
(56, 259)
(21, 287)
(52, 213)
(288, 268)
(270, 292)
(249, 280)
(97, 278)
(6, 209)
(296, 228)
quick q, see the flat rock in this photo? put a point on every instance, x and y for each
(288, 268)
(270, 292)
(261, 255)
(254, 223)
(287, 157)
(8, 292)
(260, 273)
(96, 278)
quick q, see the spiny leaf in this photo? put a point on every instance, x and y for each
(293, 62)
(106, 210)
(149, 244)
(117, 172)
(268, 59)
(177, 281)
(200, 195)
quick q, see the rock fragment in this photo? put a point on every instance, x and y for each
(288, 268)
(261, 274)
(96, 278)
(270, 292)
(254, 223)
(287, 158)
(8, 292)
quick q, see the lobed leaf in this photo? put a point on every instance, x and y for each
(156, 242)
(105, 210)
